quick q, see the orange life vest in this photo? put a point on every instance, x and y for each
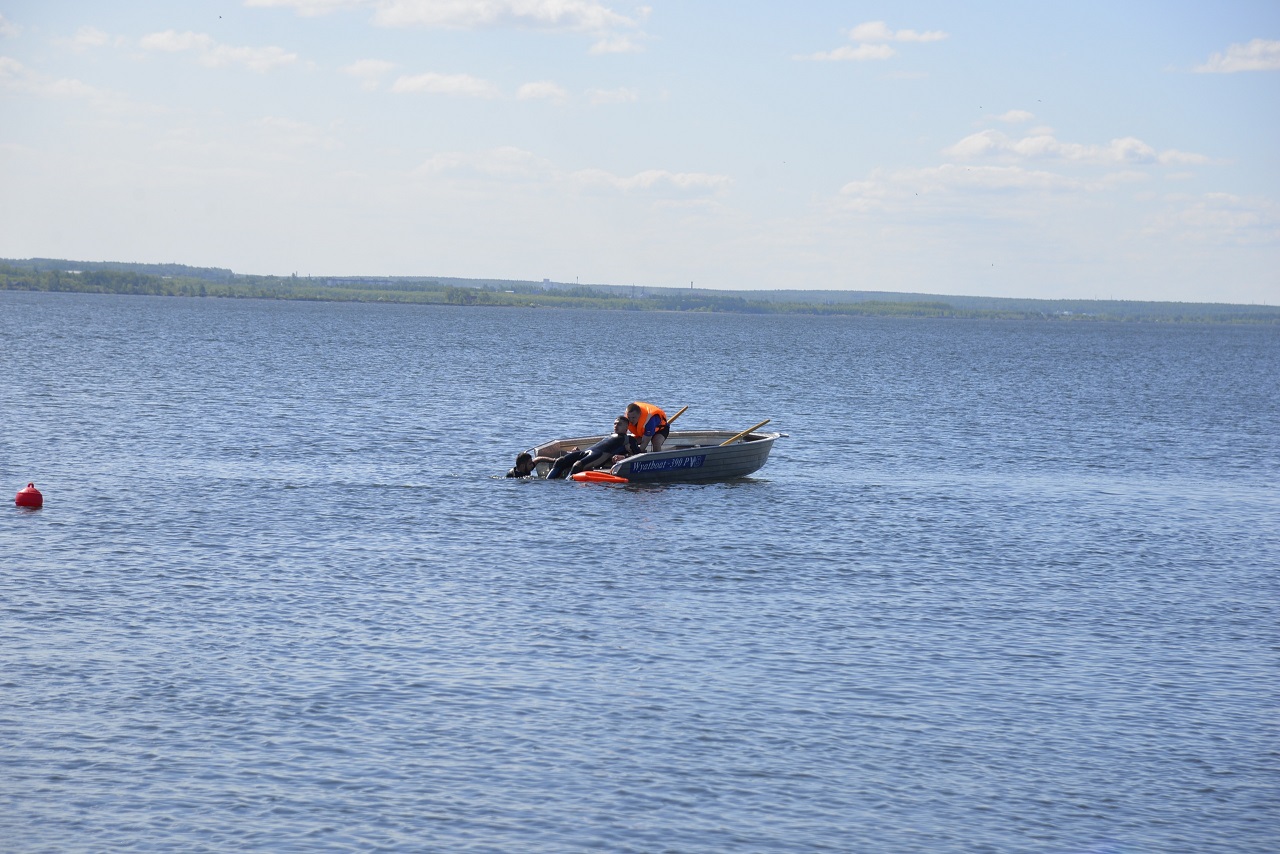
(647, 411)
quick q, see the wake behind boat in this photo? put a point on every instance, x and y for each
(689, 455)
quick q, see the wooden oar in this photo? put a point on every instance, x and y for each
(745, 432)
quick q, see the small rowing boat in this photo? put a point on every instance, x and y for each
(688, 455)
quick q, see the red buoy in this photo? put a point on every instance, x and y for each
(29, 496)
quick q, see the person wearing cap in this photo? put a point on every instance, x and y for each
(648, 424)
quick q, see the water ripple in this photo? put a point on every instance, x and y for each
(1006, 587)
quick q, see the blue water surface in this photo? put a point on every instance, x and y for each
(1005, 586)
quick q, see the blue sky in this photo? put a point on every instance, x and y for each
(1093, 150)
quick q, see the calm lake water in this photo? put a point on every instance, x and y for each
(1006, 586)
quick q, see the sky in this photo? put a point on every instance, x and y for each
(1091, 150)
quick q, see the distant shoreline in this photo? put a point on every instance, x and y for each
(58, 275)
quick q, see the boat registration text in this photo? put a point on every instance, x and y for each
(670, 464)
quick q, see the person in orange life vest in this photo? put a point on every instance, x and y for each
(648, 424)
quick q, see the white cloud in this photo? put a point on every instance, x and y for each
(587, 16)
(258, 59)
(1257, 55)
(852, 53)
(311, 8)
(445, 84)
(16, 77)
(1016, 117)
(996, 177)
(583, 15)
(616, 44)
(871, 43)
(89, 37)
(1218, 218)
(992, 144)
(613, 31)
(516, 165)
(542, 90)
(878, 31)
(291, 134)
(882, 190)
(215, 55)
(507, 162)
(174, 41)
(368, 71)
(657, 181)
(1129, 176)
(8, 29)
(598, 97)
(1173, 157)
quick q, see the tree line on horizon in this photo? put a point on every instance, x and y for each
(118, 278)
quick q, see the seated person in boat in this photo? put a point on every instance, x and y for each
(612, 448)
(527, 465)
(648, 424)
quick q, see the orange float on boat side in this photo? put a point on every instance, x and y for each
(597, 477)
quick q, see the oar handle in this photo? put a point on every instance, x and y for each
(677, 415)
(745, 432)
